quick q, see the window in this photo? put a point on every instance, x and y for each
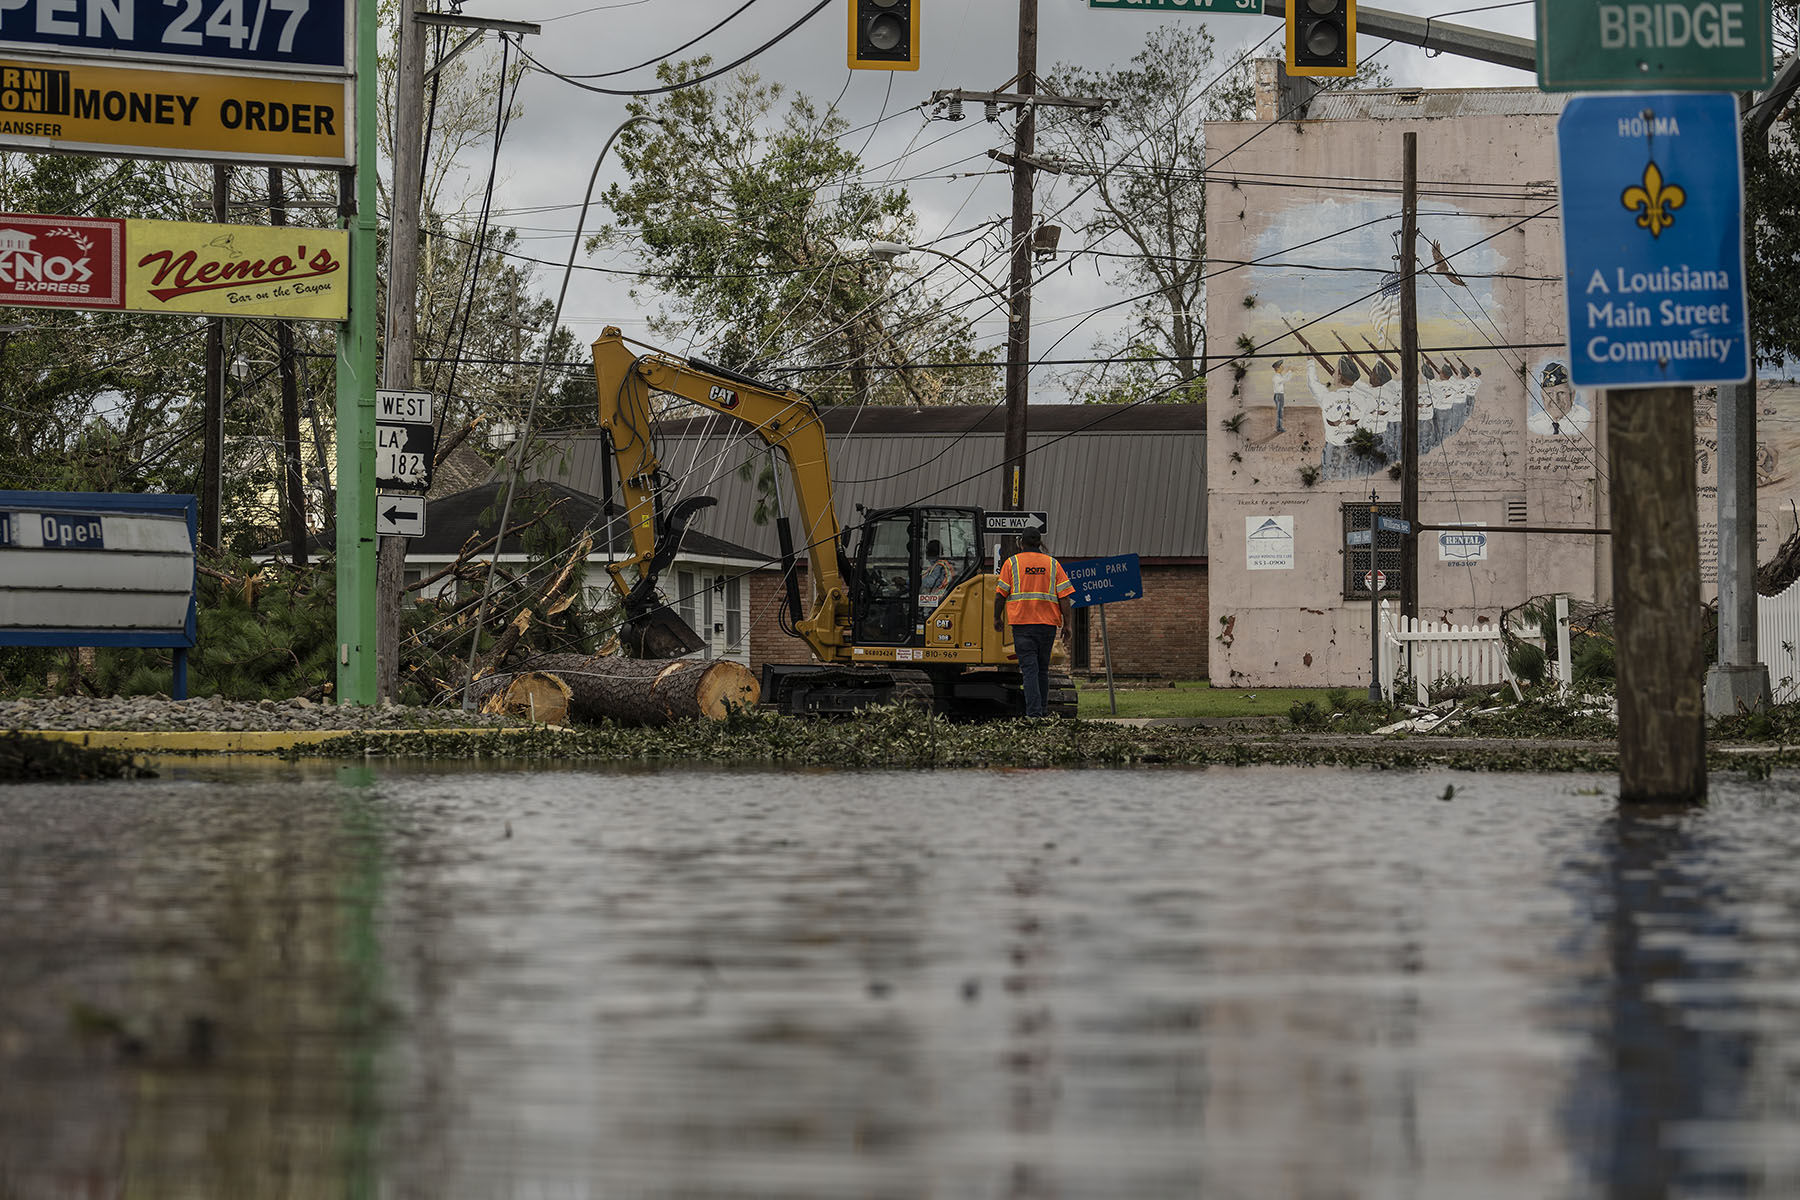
(734, 616)
(1387, 550)
(685, 585)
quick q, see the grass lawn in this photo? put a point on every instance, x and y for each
(1197, 698)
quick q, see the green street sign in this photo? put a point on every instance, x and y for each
(1652, 45)
(1253, 7)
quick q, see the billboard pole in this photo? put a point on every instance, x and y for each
(356, 670)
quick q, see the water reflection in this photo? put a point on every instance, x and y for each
(957, 984)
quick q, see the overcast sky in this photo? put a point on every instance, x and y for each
(549, 152)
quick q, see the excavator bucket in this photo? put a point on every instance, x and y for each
(659, 633)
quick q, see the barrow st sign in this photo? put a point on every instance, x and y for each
(106, 109)
(286, 36)
(1646, 45)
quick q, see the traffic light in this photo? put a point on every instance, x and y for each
(1321, 37)
(884, 35)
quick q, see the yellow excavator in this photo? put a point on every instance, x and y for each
(886, 622)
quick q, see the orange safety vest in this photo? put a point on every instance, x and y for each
(1032, 583)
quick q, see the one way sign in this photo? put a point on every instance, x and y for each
(400, 516)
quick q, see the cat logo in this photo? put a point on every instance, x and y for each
(724, 397)
(944, 622)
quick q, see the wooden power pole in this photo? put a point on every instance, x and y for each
(212, 446)
(1409, 379)
(1018, 326)
(1656, 594)
(402, 317)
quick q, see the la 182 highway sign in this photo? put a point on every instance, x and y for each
(404, 440)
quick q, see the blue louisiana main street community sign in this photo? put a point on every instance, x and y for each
(1653, 239)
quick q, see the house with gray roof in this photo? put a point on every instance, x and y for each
(1114, 479)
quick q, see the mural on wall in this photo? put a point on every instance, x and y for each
(1323, 311)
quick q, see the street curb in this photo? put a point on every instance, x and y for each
(268, 741)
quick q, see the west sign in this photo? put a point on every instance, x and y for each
(174, 267)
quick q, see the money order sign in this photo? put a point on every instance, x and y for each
(1653, 239)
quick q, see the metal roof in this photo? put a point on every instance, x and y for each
(1115, 479)
(1389, 104)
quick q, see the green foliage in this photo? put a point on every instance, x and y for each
(1309, 475)
(1366, 443)
(740, 205)
(1529, 663)
(1594, 665)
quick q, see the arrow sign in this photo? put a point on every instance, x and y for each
(1105, 580)
(400, 516)
(1015, 522)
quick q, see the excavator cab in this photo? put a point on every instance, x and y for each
(908, 560)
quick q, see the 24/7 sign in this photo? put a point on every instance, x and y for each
(288, 36)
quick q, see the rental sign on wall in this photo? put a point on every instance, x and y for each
(174, 267)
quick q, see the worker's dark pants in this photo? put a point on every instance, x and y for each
(1032, 643)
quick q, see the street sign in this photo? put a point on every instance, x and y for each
(1358, 537)
(1105, 580)
(1653, 239)
(1641, 45)
(1015, 522)
(289, 36)
(117, 109)
(1205, 6)
(1387, 524)
(1381, 578)
(403, 440)
(400, 516)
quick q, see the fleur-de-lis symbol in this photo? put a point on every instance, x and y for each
(1654, 200)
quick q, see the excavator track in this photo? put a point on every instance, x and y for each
(828, 691)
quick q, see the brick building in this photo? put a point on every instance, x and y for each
(1114, 479)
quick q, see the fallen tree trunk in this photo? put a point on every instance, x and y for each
(650, 691)
(534, 695)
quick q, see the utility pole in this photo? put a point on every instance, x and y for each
(402, 316)
(1409, 378)
(293, 514)
(1024, 231)
(1656, 594)
(212, 450)
(1018, 326)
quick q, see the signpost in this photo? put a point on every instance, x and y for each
(1653, 247)
(1622, 45)
(399, 516)
(1103, 581)
(403, 442)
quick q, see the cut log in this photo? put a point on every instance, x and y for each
(534, 695)
(650, 691)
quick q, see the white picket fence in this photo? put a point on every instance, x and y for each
(1433, 650)
(1778, 642)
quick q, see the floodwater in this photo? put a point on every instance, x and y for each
(1261, 983)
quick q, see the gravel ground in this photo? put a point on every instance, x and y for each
(220, 714)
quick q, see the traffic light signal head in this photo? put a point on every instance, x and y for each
(884, 35)
(1321, 37)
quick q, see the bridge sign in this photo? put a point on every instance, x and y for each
(1105, 580)
(1653, 239)
(1627, 45)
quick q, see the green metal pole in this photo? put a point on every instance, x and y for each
(356, 680)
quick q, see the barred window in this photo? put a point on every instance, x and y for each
(1386, 550)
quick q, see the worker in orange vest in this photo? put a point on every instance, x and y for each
(1033, 597)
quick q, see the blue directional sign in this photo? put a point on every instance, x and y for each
(290, 36)
(1653, 239)
(1105, 580)
(1387, 524)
